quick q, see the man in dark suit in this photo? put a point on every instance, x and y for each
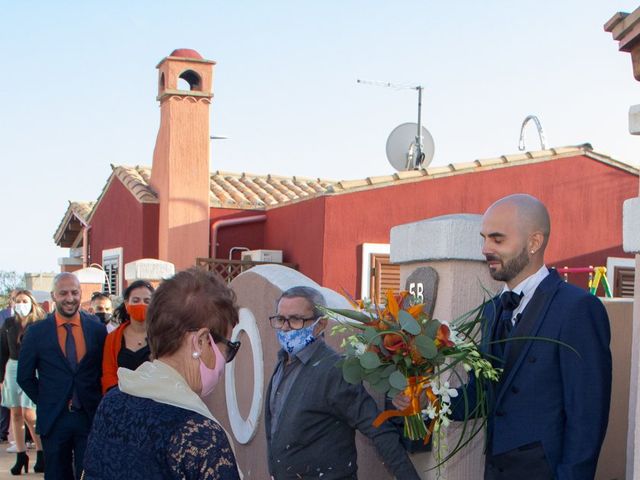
(548, 414)
(311, 412)
(59, 368)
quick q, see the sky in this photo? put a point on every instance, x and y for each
(78, 89)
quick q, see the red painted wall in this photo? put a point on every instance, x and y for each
(584, 198)
(299, 231)
(250, 235)
(122, 221)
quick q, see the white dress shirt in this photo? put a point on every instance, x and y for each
(527, 287)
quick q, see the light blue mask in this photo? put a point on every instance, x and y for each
(295, 340)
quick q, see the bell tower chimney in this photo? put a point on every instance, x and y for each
(180, 172)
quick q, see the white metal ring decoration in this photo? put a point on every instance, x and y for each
(245, 430)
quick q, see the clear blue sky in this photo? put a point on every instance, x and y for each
(78, 89)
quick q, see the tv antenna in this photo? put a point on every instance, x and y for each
(543, 140)
(402, 152)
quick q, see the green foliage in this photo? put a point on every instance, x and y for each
(426, 347)
(9, 280)
(370, 360)
(408, 323)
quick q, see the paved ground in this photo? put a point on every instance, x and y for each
(7, 460)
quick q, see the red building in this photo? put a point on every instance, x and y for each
(331, 230)
(325, 227)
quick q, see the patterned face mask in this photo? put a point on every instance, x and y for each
(295, 340)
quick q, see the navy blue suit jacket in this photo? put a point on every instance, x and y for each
(46, 376)
(548, 393)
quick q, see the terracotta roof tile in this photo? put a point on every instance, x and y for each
(76, 212)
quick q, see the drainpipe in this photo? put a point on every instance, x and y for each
(229, 222)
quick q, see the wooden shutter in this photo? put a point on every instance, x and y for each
(384, 276)
(623, 281)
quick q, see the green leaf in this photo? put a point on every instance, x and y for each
(393, 392)
(381, 386)
(369, 360)
(352, 372)
(388, 371)
(371, 336)
(431, 329)
(372, 376)
(426, 347)
(408, 323)
(397, 380)
(351, 314)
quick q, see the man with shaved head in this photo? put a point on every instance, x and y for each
(548, 414)
(59, 368)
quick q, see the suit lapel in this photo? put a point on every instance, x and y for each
(52, 336)
(532, 319)
(87, 333)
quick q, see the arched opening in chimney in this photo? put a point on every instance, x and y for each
(189, 80)
(161, 82)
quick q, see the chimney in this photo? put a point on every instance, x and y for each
(180, 172)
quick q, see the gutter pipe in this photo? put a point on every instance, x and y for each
(229, 222)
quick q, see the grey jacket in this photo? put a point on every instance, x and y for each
(315, 437)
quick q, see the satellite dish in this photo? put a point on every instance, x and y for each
(402, 148)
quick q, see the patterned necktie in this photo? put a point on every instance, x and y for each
(72, 358)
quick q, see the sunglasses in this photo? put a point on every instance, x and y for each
(232, 347)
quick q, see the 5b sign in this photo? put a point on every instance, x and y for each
(423, 285)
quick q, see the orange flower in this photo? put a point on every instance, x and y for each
(393, 342)
(442, 337)
(392, 304)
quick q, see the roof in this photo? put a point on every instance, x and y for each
(247, 191)
(69, 232)
(261, 192)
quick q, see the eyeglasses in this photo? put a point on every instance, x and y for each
(295, 323)
(232, 347)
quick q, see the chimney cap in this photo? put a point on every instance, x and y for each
(186, 53)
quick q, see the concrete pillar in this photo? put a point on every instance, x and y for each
(631, 244)
(91, 280)
(451, 246)
(149, 269)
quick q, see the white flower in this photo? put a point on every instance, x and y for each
(430, 411)
(444, 391)
(360, 348)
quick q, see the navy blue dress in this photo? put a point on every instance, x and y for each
(140, 439)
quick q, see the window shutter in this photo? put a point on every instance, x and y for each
(111, 267)
(623, 283)
(384, 276)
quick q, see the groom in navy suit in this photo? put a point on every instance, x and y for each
(548, 414)
(59, 368)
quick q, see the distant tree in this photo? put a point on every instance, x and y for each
(9, 281)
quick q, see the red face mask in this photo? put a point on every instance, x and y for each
(137, 312)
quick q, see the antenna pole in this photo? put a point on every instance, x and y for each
(419, 158)
(420, 155)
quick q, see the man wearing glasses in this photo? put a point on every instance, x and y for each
(311, 412)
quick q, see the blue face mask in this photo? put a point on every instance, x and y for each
(295, 340)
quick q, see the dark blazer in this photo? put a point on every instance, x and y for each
(46, 376)
(551, 405)
(315, 438)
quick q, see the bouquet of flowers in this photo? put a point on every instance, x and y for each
(398, 348)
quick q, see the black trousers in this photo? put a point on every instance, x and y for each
(528, 462)
(64, 446)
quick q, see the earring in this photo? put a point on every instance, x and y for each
(195, 355)
(532, 252)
